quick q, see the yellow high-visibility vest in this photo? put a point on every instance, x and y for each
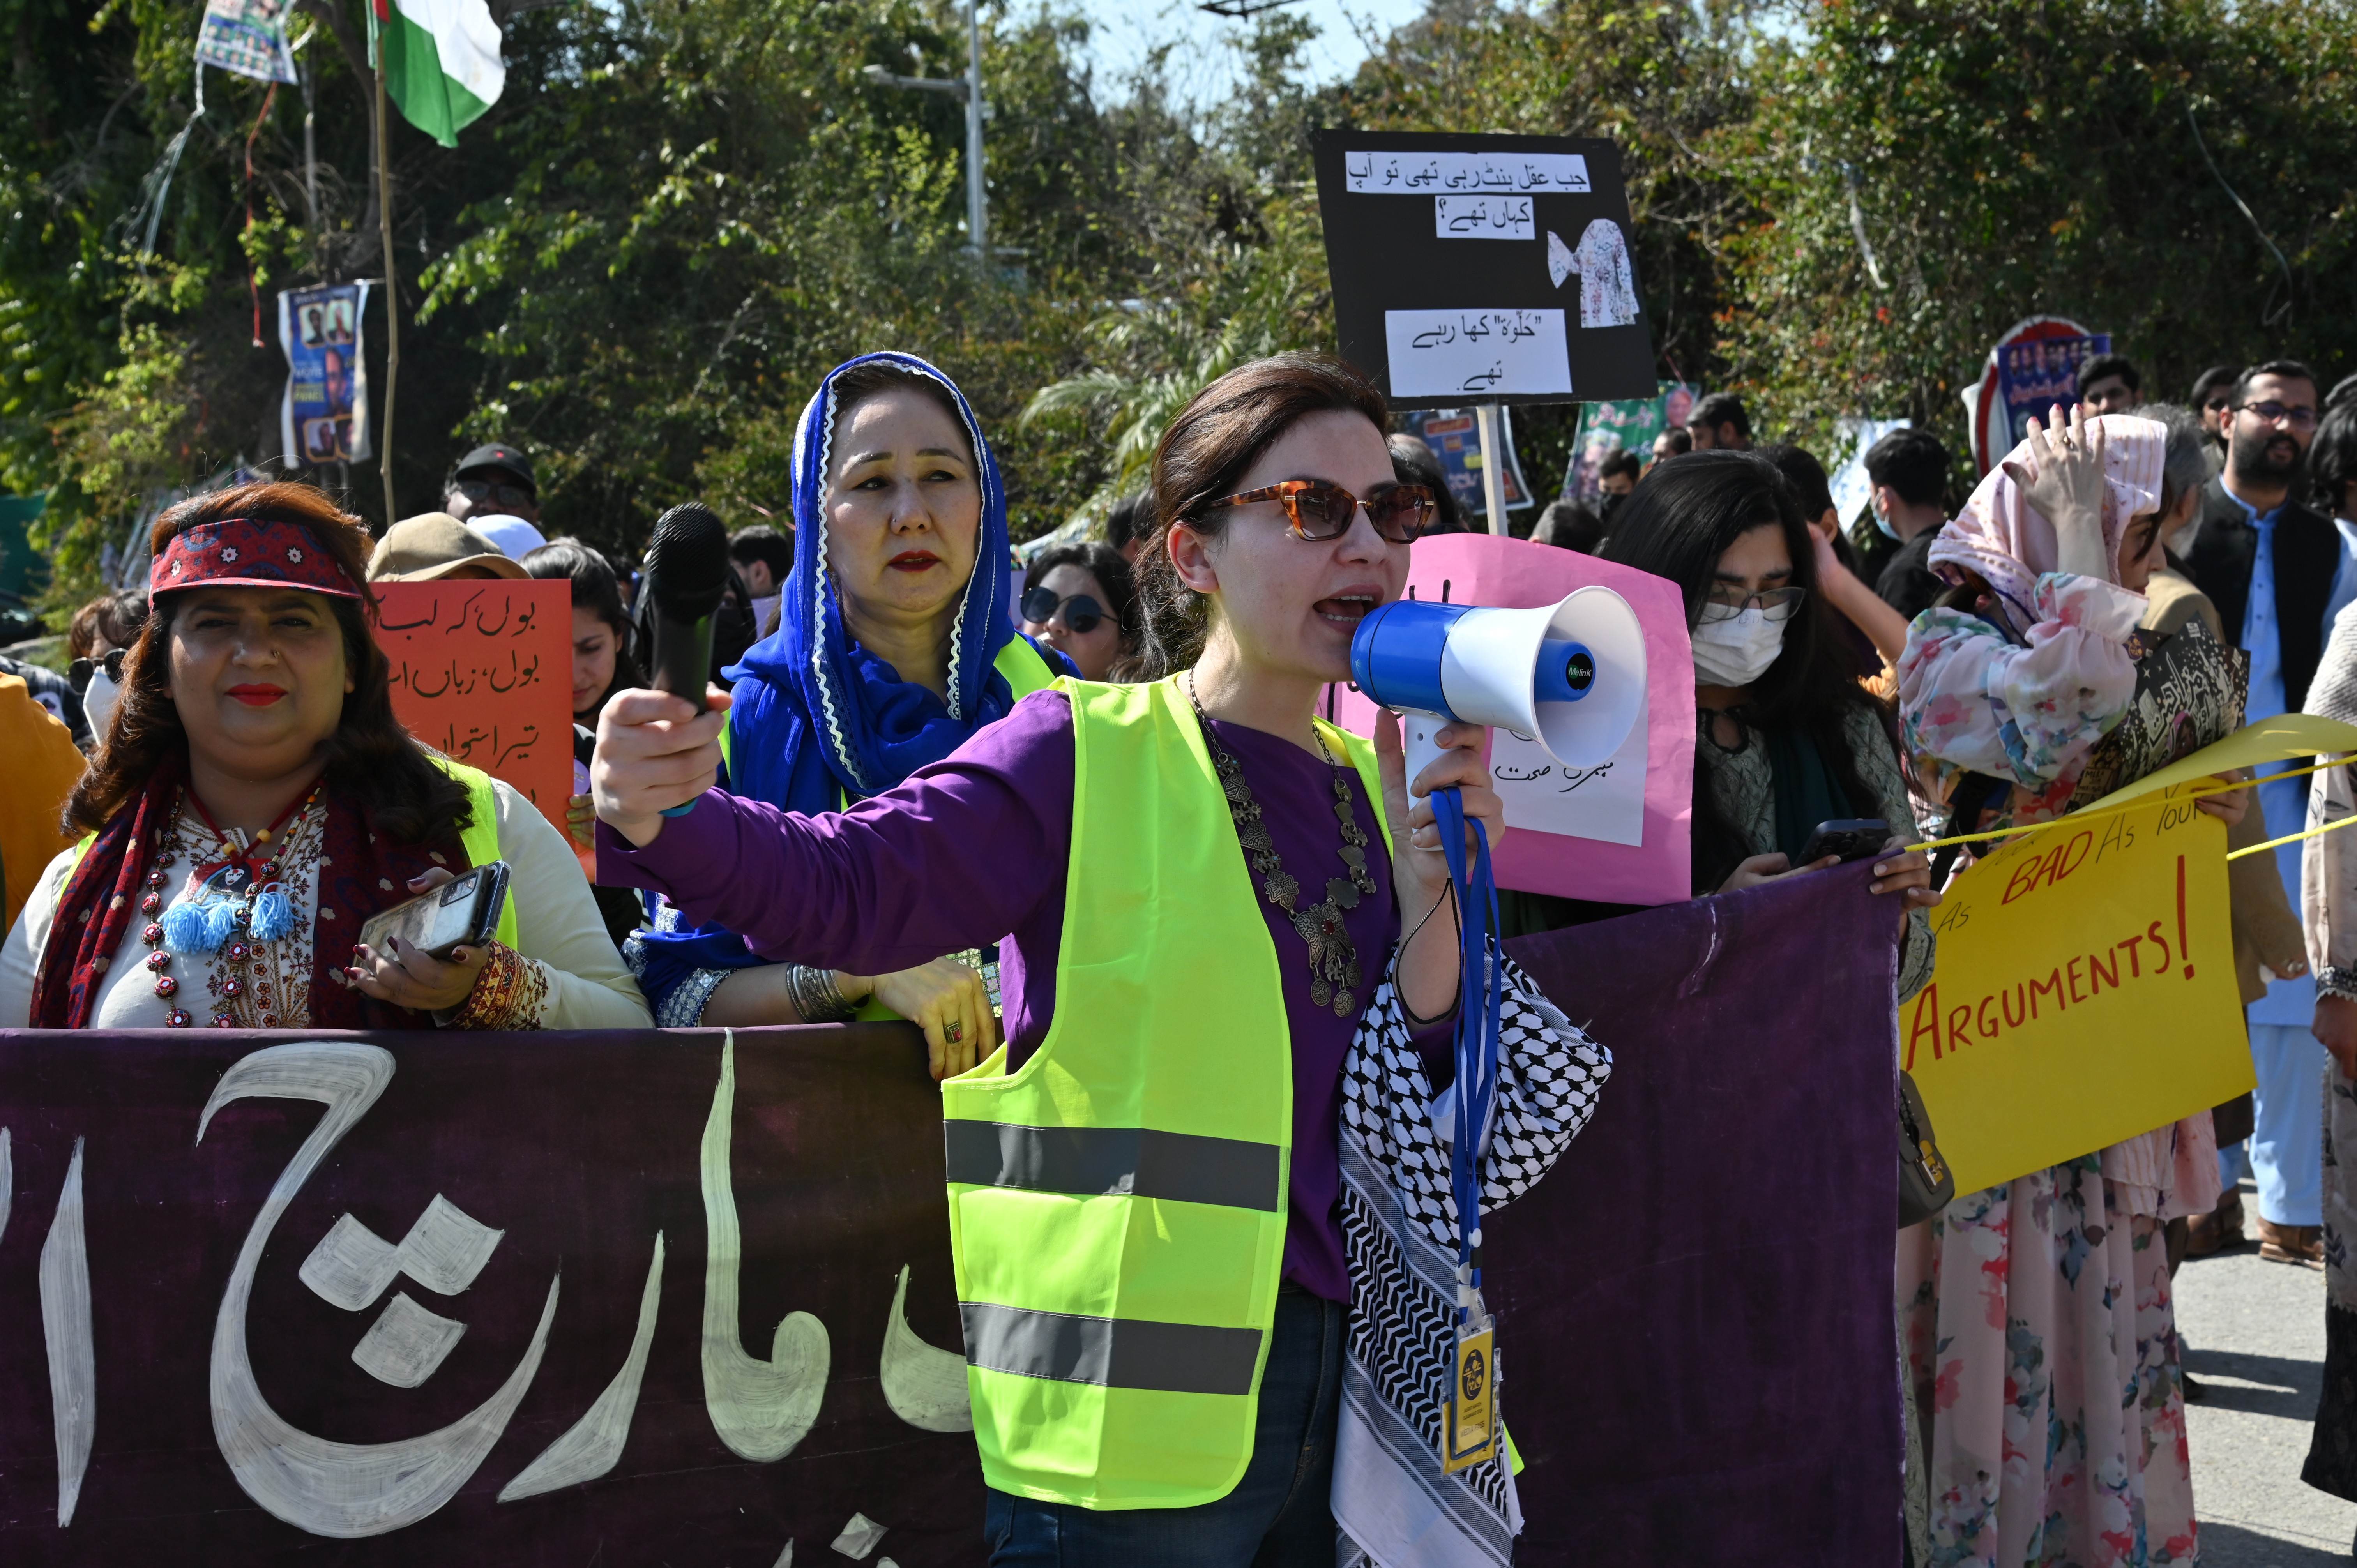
(1117, 1206)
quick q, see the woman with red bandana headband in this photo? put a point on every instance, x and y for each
(256, 800)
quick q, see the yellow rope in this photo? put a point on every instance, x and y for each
(2141, 803)
(2292, 838)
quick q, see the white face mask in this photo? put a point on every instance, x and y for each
(1737, 652)
(98, 703)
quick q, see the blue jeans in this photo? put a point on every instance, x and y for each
(1279, 1515)
(2287, 1147)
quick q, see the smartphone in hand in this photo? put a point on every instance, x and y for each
(1852, 840)
(461, 913)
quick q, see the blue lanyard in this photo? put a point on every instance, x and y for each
(1481, 1000)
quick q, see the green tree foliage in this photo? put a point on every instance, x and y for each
(2013, 157)
(680, 214)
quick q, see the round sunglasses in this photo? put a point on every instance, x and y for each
(1082, 613)
(83, 669)
(1319, 510)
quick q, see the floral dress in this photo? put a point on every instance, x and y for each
(2039, 1330)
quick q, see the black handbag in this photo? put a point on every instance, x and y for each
(1926, 1185)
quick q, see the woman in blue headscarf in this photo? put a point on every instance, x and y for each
(893, 646)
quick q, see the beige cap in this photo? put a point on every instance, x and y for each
(436, 544)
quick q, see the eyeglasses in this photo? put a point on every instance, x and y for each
(1725, 602)
(2276, 414)
(81, 671)
(494, 490)
(1082, 613)
(2218, 404)
(1319, 510)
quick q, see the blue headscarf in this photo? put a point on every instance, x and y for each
(814, 711)
(815, 718)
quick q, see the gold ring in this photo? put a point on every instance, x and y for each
(954, 1032)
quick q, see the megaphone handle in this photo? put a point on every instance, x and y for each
(1417, 735)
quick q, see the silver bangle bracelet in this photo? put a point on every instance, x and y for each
(816, 996)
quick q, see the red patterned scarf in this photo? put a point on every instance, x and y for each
(359, 875)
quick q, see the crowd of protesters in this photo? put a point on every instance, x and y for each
(218, 797)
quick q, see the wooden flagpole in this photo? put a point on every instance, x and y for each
(392, 284)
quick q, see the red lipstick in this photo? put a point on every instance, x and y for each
(913, 561)
(257, 697)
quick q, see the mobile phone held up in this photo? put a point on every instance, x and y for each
(461, 913)
(1852, 840)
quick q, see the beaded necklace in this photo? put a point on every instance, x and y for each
(239, 917)
(1334, 973)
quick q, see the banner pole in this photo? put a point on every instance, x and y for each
(391, 287)
(1493, 474)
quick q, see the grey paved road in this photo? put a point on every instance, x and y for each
(2255, 1334)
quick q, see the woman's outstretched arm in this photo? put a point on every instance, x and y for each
(955, 857)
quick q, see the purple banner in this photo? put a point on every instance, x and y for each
(558, 1299)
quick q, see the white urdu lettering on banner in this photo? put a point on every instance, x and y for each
(761, 1409)
(345, 1490)
(66, 1330)
(925, 1385)
(592, 1445)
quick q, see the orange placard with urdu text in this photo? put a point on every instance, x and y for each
(482, 671)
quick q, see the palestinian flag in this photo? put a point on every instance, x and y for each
(441, 60)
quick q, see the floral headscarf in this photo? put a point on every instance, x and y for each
(2009, 544)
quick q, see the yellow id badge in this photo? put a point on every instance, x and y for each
(1469, 1432)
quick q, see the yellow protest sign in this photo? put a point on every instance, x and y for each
(2083, 994)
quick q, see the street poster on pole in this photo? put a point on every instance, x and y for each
(324, 415)
(2033, 366)
(1450, 432)
(1623, 424)
(1482, 268)
(248, 37)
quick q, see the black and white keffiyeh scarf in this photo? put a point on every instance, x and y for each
(1393, 1507)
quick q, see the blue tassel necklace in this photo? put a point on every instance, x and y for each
(240, 904)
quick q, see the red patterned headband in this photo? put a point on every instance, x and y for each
(248, 553)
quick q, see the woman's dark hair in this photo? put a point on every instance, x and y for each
(1208, 448)
(763, 543)
(1805, 474)
(111, 618)
(596, 589)
(1104, 562)
(1684, 516)
(2333, 457)
(1568, 525)
(1414, 462)
(407, 798)
(856, 386)
(1132, 518)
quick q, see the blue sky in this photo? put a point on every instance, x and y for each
(1124, 30)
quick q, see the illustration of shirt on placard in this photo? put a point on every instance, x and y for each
(1607, 290)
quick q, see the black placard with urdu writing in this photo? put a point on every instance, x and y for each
(1483, 268)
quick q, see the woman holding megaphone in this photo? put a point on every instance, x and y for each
(1215, 898)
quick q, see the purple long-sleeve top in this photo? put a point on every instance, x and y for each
(976, 848)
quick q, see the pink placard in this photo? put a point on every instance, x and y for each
(1629, 839)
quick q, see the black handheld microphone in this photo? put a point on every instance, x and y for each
(686, 577)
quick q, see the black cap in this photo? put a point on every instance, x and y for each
(505, 458)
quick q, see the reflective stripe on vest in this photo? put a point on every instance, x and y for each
(1025, 669)
(1168, 1358)
(1117, 1207)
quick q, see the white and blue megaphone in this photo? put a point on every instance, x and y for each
(1570, 676)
